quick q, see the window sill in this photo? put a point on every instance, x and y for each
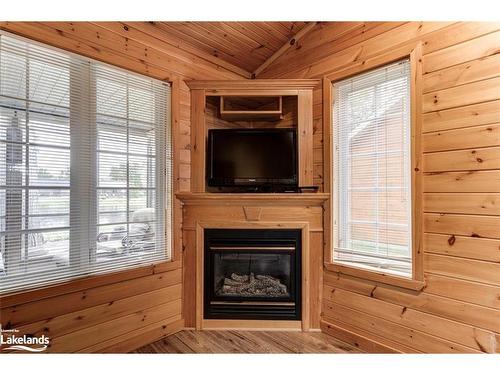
(380, 277)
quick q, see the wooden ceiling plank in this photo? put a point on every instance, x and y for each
(332, 33)
(179, 40)
(209, 37)
(285, 47)
(257, 34)
(267, 33)
(405, 34)
(285, 32)
(294, 26)
(234, 34)
(213, 35)
(198, 40)
(253, 43)
(238, 44)
(288, 65)
(188, 31)
(220, 40)
(88, 32)
(274, 30)
(147, 34)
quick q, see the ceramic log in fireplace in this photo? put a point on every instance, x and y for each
(252, 274)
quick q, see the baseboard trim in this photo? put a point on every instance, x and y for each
(251, 325)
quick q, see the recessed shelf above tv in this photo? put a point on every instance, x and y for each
(234, 108)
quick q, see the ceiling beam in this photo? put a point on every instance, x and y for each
(294, 39)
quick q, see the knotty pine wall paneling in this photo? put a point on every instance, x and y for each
(459, 308)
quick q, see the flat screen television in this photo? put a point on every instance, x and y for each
(265, 158)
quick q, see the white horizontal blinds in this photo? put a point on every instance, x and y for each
(34, 162)
(85, 167)
(372, 170)
(131, 115)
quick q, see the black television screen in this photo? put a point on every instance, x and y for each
(252, 157)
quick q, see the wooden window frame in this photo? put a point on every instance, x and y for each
(414, 53)
(83, 282)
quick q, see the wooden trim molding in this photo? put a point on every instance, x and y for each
(361, 66)
(414, 53)
(198, 137)
(327, 167)
(274, 199)
(377, 276)
(176, 230)
(416, 162)
(305, 137)
(260, 84)
(202, 323)
(252, 325)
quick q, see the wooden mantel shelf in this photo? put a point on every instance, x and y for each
(307, 199)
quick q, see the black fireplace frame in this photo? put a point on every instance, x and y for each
(253, 308)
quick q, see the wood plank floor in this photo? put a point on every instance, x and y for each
(248, 342)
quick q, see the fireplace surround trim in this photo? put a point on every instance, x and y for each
(202, 323)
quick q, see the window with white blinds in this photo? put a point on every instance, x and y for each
(85, 167)
(372, 170)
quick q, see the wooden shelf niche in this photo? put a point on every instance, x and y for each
(236, 108)
(278, 112)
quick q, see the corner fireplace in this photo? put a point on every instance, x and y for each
(252, 274)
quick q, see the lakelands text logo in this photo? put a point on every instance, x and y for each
(16, 342)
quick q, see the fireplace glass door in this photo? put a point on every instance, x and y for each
(252, 274)
(262, 273)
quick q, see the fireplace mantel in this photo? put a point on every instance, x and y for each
(315, 199)
(302, 211)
